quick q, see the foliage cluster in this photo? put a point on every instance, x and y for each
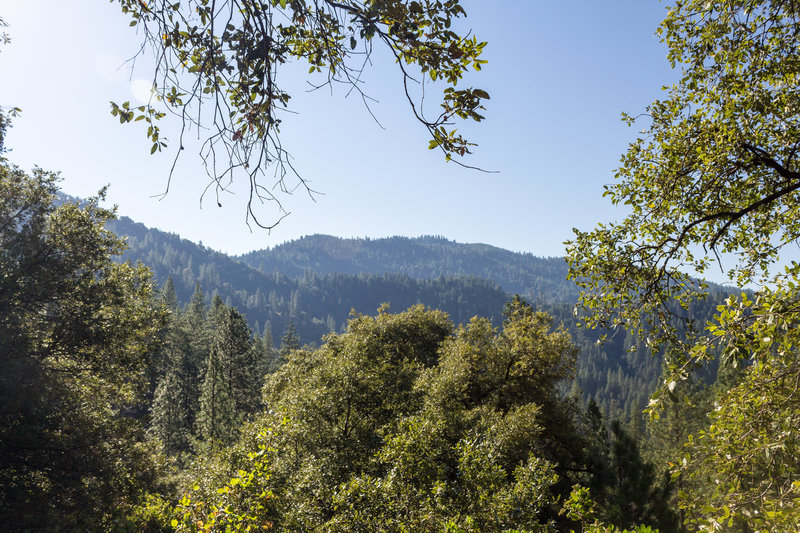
(226, 57)
(406, 423)
(714, 180)
(77, 334)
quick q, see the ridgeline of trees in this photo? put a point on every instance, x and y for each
(535, 278)
(314, 303)
(619, 374)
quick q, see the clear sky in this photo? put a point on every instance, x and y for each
(559, 75)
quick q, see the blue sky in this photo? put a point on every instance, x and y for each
(559, 74)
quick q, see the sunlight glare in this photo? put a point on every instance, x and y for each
(142, 90)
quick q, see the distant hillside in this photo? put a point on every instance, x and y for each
(536, 278)
(316, 303)
(316, 281)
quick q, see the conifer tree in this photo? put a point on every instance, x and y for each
(168, 298)
(196, 308)
(217, 308)
(233, 339)
(231, 386)
(290, 342)
(199, 329)
(217, 419)
(175, 401)
(168, 295)
(265, 355)
(170, 419)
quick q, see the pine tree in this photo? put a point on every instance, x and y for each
(176, 395)
(231, 388)
(168, 295)
(217, 308)
(169, 299)
(289, 342)
(266, 357)
(196, 309)
(217, 419)
(170, 420)
(233, 339)
(199, 331)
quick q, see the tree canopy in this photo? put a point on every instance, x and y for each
(403, 424)
(77, 331)
(712, 182)
(218, 65)
(713, 179)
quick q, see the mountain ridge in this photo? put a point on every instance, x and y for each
(289, 284)
(316, 303)
(425, 257)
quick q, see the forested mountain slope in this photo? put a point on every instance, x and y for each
(535, 278)
(315, 282)
(315, 303)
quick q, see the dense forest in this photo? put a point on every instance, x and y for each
(430, 257)
(315, 302)
(401, 420)
(468, 280)
(328, 385)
